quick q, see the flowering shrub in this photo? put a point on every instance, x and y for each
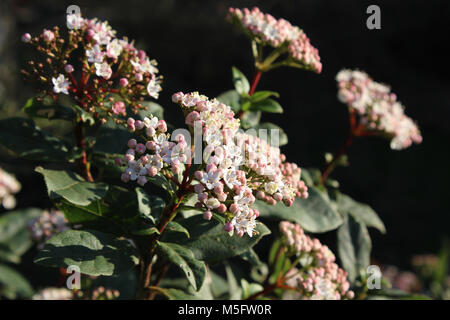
(174, 211)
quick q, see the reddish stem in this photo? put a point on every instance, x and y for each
(82, 145)
(255, 82)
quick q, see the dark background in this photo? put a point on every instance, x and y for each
(196, 47)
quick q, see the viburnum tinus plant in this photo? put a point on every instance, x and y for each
(179, 213)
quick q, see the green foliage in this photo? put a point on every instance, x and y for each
(314, 214)
(26, 140)
(211, 243)
(48, 109)
(13, 285)
(240, 82)
(95, 253)
(184, 259)
(354, 246)
(70, 186)
(14, 236)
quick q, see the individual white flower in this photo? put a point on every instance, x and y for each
(60, 84)
(74, 21)
(95, 55)
(211, 179)
(153, 88)
(103, 70)
(113, 49)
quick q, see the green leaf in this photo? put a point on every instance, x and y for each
(250, 119)
(354, 246)
(148, 231)
(13, 285)
(84, 116)
(249, 289)
(144, 204)
(95, 253)
(162, 182)
(183, 258)
(267, 105)
(235, 291)
(282, 136)
(14, 236)
(251, 256)
(116, 213)
(211, 243)
(72, 187)
(175, 227)
(112, 138)
(361, 212)
(231, 98)
(240, 81)
(262, 95)
(28, 141)
(314, 214)
(48, 109)
(152, 109)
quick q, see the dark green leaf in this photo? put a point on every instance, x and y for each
(268, 105)
(211, 243)
(183, 258)
(14, 236)
(231, 98)
(95, 253)
(314, 214)
(28, 141)
(361, 212)
(84, 116)
(250, 119)
(262, 95)
(70, 186)
(354, 247)
(48, 109)
(13, 285)
(240, 81)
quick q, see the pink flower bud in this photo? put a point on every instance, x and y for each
(125, 177)
(202, 197)
(140, 148)
(118, 161)
(119, 108)
(199, 188)
(68, 68)
(138, 77)
(162, 126)
(228, 227)
(48, 35)
(278, 196)
(207, 215)
(222, 208)
(129, 157)
(176, 97)
(198, 175)
(132, 143)
(192, 117)
(26, 37)
(151, 145)
(142, 180)
(123, 82)
(150, 131)
(152, 171)
(139, 124)
(222, 196)
(198, 205)
(234, 208)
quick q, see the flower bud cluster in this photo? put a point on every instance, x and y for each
(377, 107)
(111, 70)
(48, 224)
(101, 293)
(267, 30)
(320, 278)
(237, 167)
(156, 154)
(8, 187)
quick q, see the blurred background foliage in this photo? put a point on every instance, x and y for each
(196, 47)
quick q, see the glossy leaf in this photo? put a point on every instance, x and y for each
(95, 253)
(72, 187)
(314, 214)
(267, 105)
(240, 82)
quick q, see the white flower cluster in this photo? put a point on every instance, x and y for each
(236, 166)
(104, 50)
(158, 153)
(8, 187)
(321, 278)
(377, 107)
(48, 224)
(268, 30)
(54, 294)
